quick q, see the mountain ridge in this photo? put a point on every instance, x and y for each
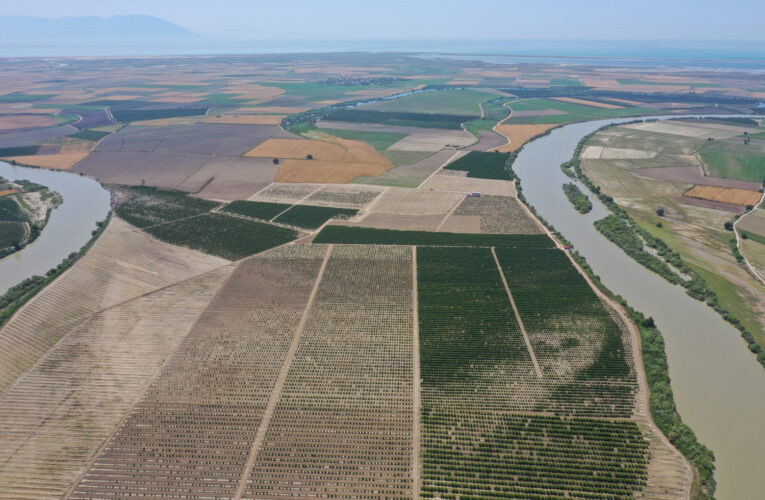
(126, 27)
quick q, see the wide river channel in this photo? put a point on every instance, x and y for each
(719, 386)
(69, 227)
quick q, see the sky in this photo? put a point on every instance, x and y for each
(432, 19)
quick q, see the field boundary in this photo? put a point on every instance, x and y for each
(518, 318)
(416, 389)
(749, 265)
(276, 392)
(439, 168)
(155, 374)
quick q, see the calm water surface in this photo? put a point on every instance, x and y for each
(719, 386)
(69, 227)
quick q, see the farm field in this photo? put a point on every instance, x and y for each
(122, 265)
(301, 295)
(450, 102)
(696, 205)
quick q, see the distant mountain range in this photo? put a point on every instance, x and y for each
(90, 28)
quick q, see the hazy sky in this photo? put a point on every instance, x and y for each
(433, 19)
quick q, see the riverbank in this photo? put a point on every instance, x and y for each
(68, 227)
(25, 208)
(705, 356)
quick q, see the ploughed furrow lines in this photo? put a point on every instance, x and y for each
(123, 264)
(60, 412)
(343, 425)
(191, 433)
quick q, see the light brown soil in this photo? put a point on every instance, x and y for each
(16, 122)
(246, 119)
(734, 196)
(585, 102)
(61, 161)
(518, 135)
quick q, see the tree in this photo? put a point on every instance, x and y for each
(660, 212)
(276, 161)
(744, 236)
(309, 156)
(648, 322)
(728, 226)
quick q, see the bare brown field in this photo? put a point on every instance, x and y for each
(253, 92)
(518, 135)
(464, 185)
(488, 141)
(339, 161)
(200, 416)
(61, 161)
(417, 138)
(8, 192)
(25, 109)
(402, 201)
(754, 222)
(625, 101)
(123, 264)
(492, 215)
(398, 222)
(62, 410)
(690, 129)
(354, 405)
(536, 112)
(725, 195)
(19, 122)
(693, 175)
(585, 102)
(327, 171)
(287, 110)
(246, 119)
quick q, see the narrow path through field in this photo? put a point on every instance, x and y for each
(276, 393)
(297, 203)
(517, 316)
(749, 265)
(449, 214)
(416, 395)
(441, 167)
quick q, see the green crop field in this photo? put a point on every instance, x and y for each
(11, 233)
(477, 381)
(568, 82)
(462, 102)
(145, 206)
(569, 112)
(484, 165)
(378, 140)
(312, 217)
(223, 235)
(256, 209)
(90, 135)
(10, 211)
(134, 115)
(732, 160)
(406, 119)
(370, 236)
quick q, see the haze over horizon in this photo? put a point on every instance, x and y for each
(703, 20)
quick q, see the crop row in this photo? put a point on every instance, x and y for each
(484, 165)
(476, 368)
(147, 206)
(371, 236)
(427, 120)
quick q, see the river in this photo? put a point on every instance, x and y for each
(68, 229)
(719, 386)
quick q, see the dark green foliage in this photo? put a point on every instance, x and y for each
(134, 115)
(467, 326)
(11, 234)
(19, 151)
(90, 135)
(485, 165)
(256, 209)
(223, 235)
(312, 217)
(147, 206)
(371, 236)
(530, 457)
(426, 120)
(10, 210)
(578, 199)
(752, 236)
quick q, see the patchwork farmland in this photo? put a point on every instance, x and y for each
(303, 293)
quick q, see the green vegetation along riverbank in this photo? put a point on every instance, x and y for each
(25, 208)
